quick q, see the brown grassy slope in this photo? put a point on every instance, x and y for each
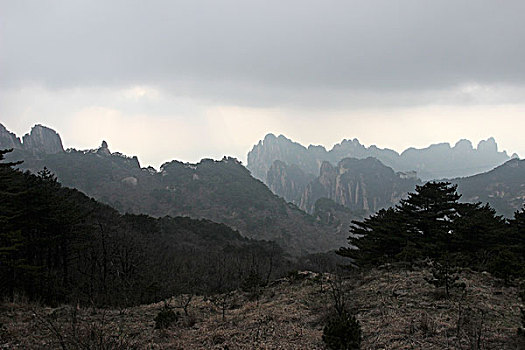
(397, 310)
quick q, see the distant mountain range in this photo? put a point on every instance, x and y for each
(437, 161)
(221, 191)
(323, 204)
(369, 178)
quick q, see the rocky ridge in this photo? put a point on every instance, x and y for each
(222, 191)
(502, 187)
(8, 139)
(358, 184)
(41, 140)
(288, 181)
(437, 161)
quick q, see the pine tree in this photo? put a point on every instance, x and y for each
(381, 238)
(429, 214)
(12, 261)
(420, 226)
(342, 332)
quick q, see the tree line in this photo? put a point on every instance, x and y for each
(432, 223)
(57, 245)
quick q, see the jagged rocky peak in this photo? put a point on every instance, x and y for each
(272, 148)
(270, 138)
(317, 148)
(488, 146)
(464, 146)
(8, 139)
(42, 139)
(437, 161)
(103, 149)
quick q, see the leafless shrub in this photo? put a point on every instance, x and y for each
(76, 333)
(427, 324)
(470, 327)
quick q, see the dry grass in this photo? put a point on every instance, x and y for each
(397, 309)
(400, 310)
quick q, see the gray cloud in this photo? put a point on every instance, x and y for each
(264, 52)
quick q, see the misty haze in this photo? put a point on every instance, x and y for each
(262, 175)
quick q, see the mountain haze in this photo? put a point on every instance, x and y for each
(502, 187)
(364, 185)
(222, 191)
(437, 161)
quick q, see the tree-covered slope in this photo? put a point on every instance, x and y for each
(57, 244)
(221, 191)
(503, 188)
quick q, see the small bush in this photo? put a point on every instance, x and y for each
(165, 318)
(427, 325)
(447, 276)
(296, 276)
(253, 285)
(342, 332)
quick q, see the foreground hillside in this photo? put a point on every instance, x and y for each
(397, 309)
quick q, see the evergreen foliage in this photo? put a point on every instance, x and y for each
(253, 285)
(165, 318)
(432, 223)
(57, 245)
(342, 332)
(446, 276)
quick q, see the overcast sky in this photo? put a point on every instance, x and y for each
(192, 79)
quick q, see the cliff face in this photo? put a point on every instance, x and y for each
(358, 184)
(288, 181)
(8, 139)
(434, 162)
(272, 148)
(42, 139)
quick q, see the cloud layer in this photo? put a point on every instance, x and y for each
(202, 46)
(217, 75)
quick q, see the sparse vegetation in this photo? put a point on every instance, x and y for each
(432, 223)
(165, 318)
(445, 276)
(396, 309)
(342, 332)
(58, 246)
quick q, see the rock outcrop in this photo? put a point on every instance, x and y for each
(273, 148)
(364, 185)
(8, 139)
(104, 149)
(434, 162)
(42, 139)
(288, 181)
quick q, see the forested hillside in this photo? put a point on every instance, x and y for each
(58, 245)
(222, 191)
